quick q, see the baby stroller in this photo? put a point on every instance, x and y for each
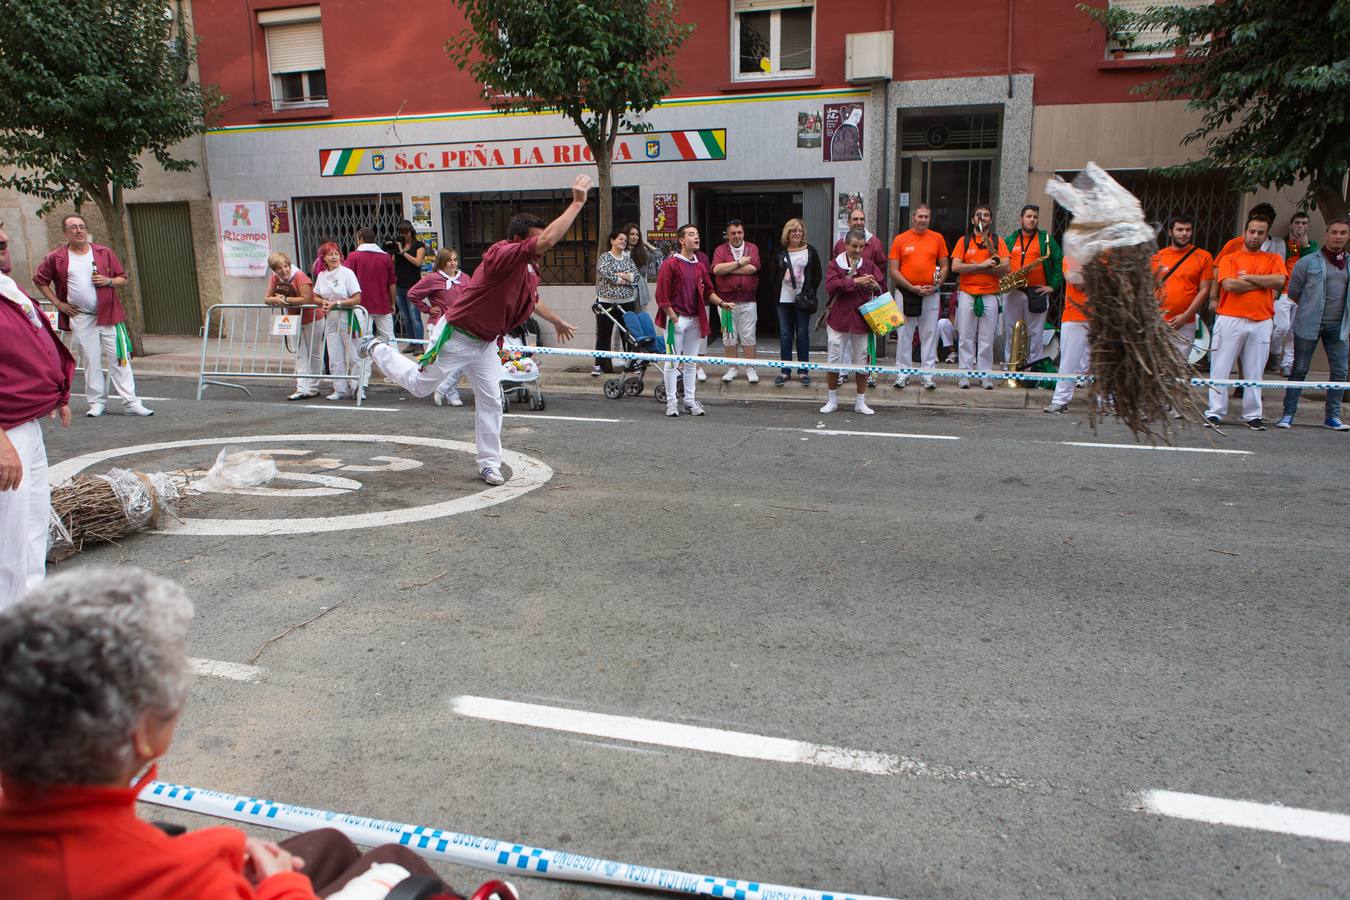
(520, 376)
(638, 333)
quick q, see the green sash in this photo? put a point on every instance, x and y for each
(123, 338)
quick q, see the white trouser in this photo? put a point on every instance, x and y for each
(450, 386)
(23, 517)
(1247, 343)
(1282, 335)
(976, 342)
(309, 356)
(97, 347)
(946, 332)
(383, 326)
(478, 360)
(1074, 358)
(687, 340)
(342, 359)
(926, 323)
(1015, 309)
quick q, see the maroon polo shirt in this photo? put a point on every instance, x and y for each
(501, 295)
(55, 271)
(35, 367)
(374, 270)
(736, 288)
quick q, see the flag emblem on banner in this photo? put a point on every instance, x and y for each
(340, 162)
(707, 144)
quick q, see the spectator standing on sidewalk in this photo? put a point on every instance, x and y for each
(407, 272)
(735, 270)
(81, 279)
(616, 278)
(851, 279)
(1318, 285)
(289, 287)
(374, 270)
(918, 266)
(796, 277)
(35, 373)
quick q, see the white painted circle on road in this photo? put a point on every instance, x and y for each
(527, 474)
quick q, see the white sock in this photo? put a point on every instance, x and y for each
(832, 396)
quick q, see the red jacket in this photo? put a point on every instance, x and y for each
(432, 293)
(35, 367)
(55, 269)
(873, 252)
(846, 296)
(668, 282)
(86, 843)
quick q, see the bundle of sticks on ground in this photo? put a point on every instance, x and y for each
(1138, 372)
(109, 507)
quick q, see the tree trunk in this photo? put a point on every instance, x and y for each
(606, 200)
(1330, 199)
(113, 209)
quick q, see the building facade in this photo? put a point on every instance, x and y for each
(343, 114)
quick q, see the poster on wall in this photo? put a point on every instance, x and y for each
(808, 129)
(665, 217)
(432, 242)
(279, 216)
(843, 132)
(848, 202)
(421, 210)
(244, 238)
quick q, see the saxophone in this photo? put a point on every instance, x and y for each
(1016, 280)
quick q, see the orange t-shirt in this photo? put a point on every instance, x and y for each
(1025, 251)
(1182, 286)
(978, 282)
(1075, 300)
(918, 255)
(1257, 305)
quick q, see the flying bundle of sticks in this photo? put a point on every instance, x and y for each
(111, 506)
(1138, 371)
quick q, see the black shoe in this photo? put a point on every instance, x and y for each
(782, 378)
(1256, 425)
(1213, 421)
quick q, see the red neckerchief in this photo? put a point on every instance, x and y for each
(1336, 259)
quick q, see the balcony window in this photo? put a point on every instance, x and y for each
(1131, 44)
(773, 39)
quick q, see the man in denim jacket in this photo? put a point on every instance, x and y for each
(1318, 285)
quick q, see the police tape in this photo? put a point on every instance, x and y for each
(913, 371)
(468, 850)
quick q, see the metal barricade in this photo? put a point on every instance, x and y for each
(238, 341)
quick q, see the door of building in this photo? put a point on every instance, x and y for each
(166, 267)
(763, 209)
(320, 219)
(952, 187)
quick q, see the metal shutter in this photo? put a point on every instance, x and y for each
(760, 5)
(295, 47)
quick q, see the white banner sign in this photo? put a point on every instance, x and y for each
(244, 238)
(285, 325)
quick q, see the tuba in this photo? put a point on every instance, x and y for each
(1021, 346)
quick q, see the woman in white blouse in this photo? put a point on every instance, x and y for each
(338, 292)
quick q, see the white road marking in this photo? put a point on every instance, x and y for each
(726, 743)
(216, 668)
(1157, 447)
(346, 408)
(889, 434)
(559, 418)
(527, 473)
(1246, 814)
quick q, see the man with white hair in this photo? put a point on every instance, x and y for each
(35, 373)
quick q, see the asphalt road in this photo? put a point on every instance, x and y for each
(1037, 632)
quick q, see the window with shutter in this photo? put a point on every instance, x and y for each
(1122, 43)
(295, 57)
(772, 39)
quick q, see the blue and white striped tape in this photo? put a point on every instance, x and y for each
(468, 850)
(914, 371)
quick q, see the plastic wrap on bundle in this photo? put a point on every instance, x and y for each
(143, 497)
(1105, 215)
(59, 541)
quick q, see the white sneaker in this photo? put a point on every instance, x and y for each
(596, 371)
(693, 407)
(337, 396)
(860, 406)
(752, 376)
(963, 384)
(673, 409)
(730, 376)
(929, 384)
(702, 375)
(438, 398)
(137, 409)
(986, 384)
(492, 476)
(830, 406)
(453, 399)
(95, 411)
(901, 382)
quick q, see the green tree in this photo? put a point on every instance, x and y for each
(600, 64)
(86, 89)
(1271, 82)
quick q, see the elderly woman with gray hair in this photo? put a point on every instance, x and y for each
(93, 679)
